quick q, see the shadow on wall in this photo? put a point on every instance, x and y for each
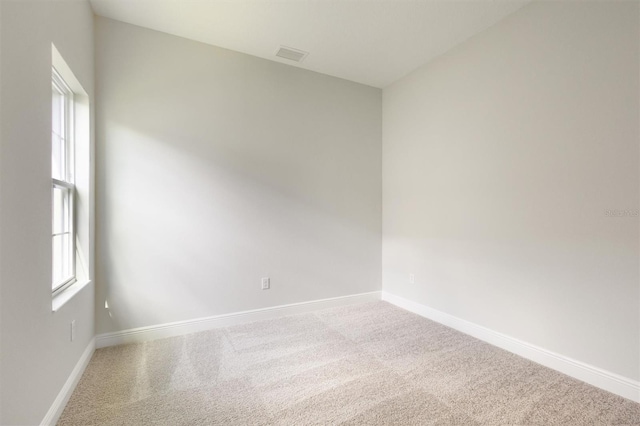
(188, 225)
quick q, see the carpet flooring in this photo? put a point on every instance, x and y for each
(367, 364)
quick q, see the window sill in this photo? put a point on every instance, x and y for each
(60, 299)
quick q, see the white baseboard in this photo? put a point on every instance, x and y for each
(56, 409)
(179, 328)
(595, 376)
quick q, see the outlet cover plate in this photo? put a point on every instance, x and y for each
(266, 283)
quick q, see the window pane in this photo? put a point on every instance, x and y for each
(61, 210)
(58, 135)
(57, 112)
(58, 215)
(57, 157)
(61, 259)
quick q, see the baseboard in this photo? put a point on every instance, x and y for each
(595, 376)
(56, 409)
(179, 328)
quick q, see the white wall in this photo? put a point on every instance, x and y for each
(37, 355)
(215, 169)
(501, 159)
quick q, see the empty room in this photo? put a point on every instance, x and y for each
(319, 212)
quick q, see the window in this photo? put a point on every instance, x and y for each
(63, 188)
(72, 198)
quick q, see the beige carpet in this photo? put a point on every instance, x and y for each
(368, 364)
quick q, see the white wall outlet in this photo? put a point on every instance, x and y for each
(266, 283)
(412, 279)
(73, 330)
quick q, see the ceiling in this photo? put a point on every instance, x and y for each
(372, 42)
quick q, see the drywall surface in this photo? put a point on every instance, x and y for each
(37, 355)
(215, 169)
(510, 181)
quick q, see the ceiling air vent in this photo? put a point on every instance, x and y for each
(291, 54)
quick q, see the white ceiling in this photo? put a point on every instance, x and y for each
(372, 42)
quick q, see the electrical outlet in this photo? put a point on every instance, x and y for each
(73, 330)
(266, 283)
(412, 279)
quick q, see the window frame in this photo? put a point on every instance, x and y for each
(66, 184)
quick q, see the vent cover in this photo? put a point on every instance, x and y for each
(291, 54)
